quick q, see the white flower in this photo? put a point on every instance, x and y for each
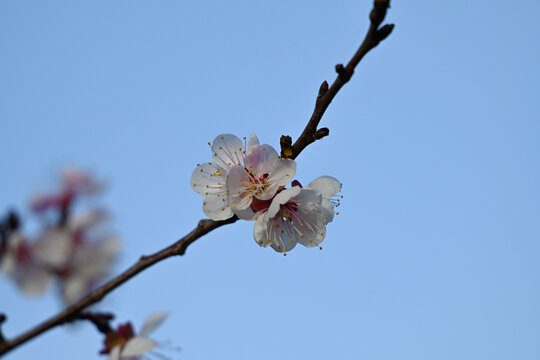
(261, 176)
(297, 215)
(209, 179)
(124, 343)
(19, 262)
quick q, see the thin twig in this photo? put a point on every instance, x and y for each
(326, 94)
(309, 135)
(70, 313)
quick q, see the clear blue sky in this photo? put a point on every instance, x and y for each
(436, 252)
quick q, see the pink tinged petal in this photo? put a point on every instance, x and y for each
(282, 174)
(208, 178)
(115, 353)
(138, 346)
(227, 150)
(152, 322)
(216, 207)
(54, 247)
(282, 198)
(245, 214)
(238, 187)
(328, 186)
(73, 288)
(261, 160)
(33, 280)
(252, 142)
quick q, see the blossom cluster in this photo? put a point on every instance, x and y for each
(249, 181)
(76, 250)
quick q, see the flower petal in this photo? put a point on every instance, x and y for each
(208, 178)
(238, 187)
(283, 235)
(216, 207)
(260, 230)
(115, 353)
(328, 186)
(245, 214)
(33, 279)
(152, 322)
(252, 142)
(54, 246)
(261, 160)
(283, 172)
(138, 346)
(227, 150)
(282, 198)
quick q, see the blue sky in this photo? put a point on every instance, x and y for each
(435, 253)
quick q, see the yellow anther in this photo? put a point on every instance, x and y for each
(206, 194)
(222, 209)
(234, 206)
(220, 148)
(204, 203)
(292, 241)
(209, 143)
(337, 213)
(310, 240)
(198, 164)
(194, 185)
(222, 138)
(201, 170)
(302, 236)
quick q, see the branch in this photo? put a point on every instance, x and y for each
(288, 150)
(326, 94)
(73, 312)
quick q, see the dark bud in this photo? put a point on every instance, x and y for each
(323, 89)
(296, 183)
(340, 69)
(322, 132)
(384, 31)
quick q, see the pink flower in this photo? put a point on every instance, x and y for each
(297, 215)
(125, 343)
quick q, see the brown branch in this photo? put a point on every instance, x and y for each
(289, 150)
(326, 94)
(71, 313)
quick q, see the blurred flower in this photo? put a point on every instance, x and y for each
(297, 215)
(79, 254)
(124, 343)
(209, 179)
(18, 261)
